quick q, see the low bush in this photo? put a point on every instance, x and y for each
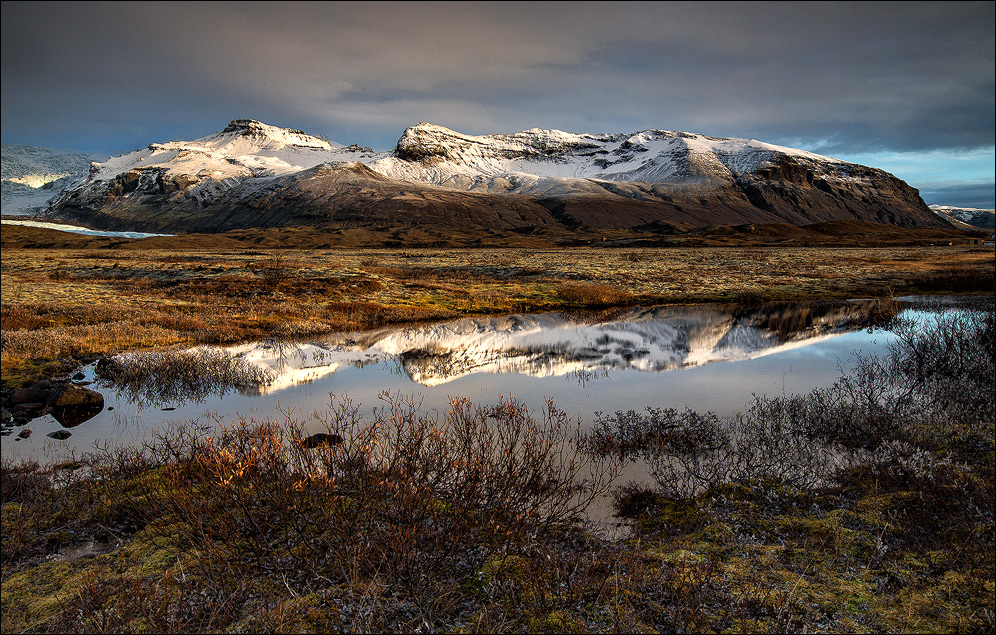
(934, 389)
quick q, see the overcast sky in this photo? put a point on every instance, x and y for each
(907, 87)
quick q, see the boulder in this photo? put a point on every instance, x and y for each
(71, 405)
(36, 393)
(71, 395)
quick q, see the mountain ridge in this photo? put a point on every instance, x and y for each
(435, 175)
(967, 217)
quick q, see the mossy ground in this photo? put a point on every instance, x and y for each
(833, 563)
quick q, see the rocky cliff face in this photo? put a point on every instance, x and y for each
(254, 175)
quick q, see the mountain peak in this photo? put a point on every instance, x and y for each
(246, 126)
(425, 141)
(268, 135)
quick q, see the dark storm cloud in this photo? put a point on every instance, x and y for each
(830, 77)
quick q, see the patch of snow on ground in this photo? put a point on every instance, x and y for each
(75, 229)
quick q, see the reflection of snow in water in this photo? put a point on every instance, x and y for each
(549, 344)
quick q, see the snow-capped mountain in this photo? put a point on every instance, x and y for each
(967, 216)
(34, 176)
(245, 148)
(541, 159)
(652, 340)
(251, 174)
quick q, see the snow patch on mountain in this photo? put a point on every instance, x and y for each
(691, 177)
(244, 149)
(533, 161)
(33, 176)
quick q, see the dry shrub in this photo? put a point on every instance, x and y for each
(636, 256)
(959, 278)
(593, 295)
(355, 315)
(689, 452)
(398, 527)
(75, 340)
(933, 390)
(60, 274)
(30, 316)
(40, 506)
(274, 270)
(14, 317)
(409, 497)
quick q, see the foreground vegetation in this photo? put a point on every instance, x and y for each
(865, 507)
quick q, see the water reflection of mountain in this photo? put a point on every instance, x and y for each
(649, 339)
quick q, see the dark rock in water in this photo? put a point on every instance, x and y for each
(321, 439)
(74, 415)
(60, 435)
(79, 376)
(36, 393)
(71, 405)
(24, 433)
(30, 410)
(71, 395)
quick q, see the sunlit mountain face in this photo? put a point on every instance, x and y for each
(31, 177)
(252, 174)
